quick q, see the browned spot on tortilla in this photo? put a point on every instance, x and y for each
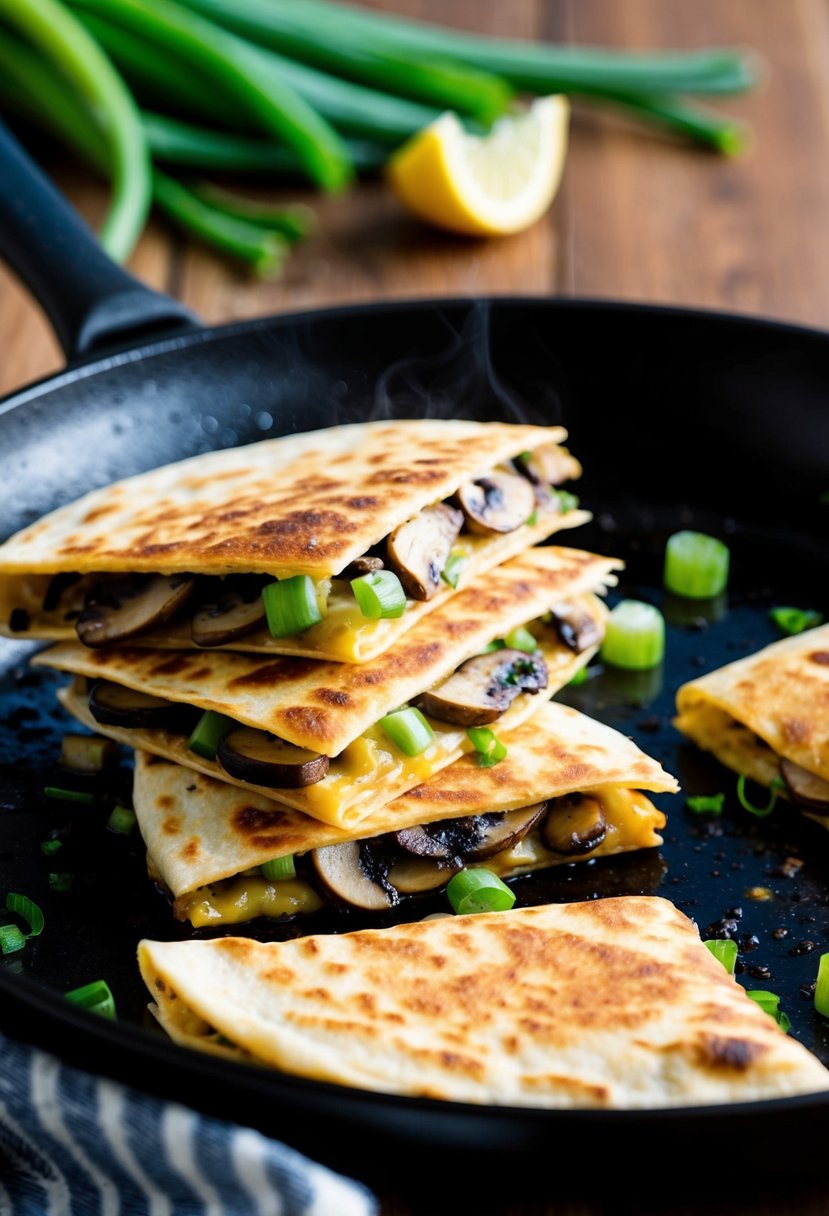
(151, 761)
(98, 512)
(191, 850)
(330, 696)
(171, 667)
(719, 1051)
(821, 657)
(362, 503)
(274, 672)
(165, 801)
(160, 985)
(249, 820)
(201, 673)
(406, 477)
(795, 730)
(170, 826)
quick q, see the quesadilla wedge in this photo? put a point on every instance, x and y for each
(611, 1003)
(321, 734)
(567, 790)
(329, 544)
(765, 716)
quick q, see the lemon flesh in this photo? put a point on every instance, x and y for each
(485, 185)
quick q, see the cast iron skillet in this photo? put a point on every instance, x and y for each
(680, 418)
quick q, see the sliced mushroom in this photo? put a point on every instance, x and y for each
(255, 756)
(68, 594)
(499, 502)
(360, 566)
(134, 608)
(484, 687)
(549, 465)
(234, 613)
(445, 839)
(419, 550)
(339, 868)
(505, 830)
(114, 705)
(806, 789)
(574, 825)
(414, 875)
(576, 627)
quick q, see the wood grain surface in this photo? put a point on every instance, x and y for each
(639, 216)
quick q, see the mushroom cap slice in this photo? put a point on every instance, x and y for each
(804, 788)
(575, 627)
(470, 837)
(414, 875)
(235, 613)
(505, 830)
(129, 608)
(340, 870)
(574, 825)
(115, 705)
(549, 465)
(484, 687)
(360, 566)
(418, 550)
(499, 502)
(255, 756)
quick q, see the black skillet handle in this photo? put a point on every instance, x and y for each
(90, 301)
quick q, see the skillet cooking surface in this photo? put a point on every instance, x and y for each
(681, 419)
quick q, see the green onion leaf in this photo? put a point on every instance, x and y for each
(479, 891)
(61, 881)
(27, 910)
(521, 639)
(496, 644)
(532, 521)
(408, 729)
(11, 939)
(705, 804)
(379, 594)
(795, 620)
(760, 812)
(291, 606)
(96, 997)
(724, 952)
(579, 678)
(210, 729)
(634, 636)
(489, 748)
(279, 867)
(696, 565)
(453, 569)
(769, 1002)
(122, 820)
(566, 500)
(822, 987)
(61, 795)
(48, 847)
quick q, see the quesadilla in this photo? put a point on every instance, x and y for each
(611, 1003)
(329, 544)
(765, 716)
(319, 736)
(566, 791)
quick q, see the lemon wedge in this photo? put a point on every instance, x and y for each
(485, 185)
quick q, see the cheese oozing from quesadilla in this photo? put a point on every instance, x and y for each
(334, 711)
(607, 1004)
(765, 716)
(180, 557)
(568, 790)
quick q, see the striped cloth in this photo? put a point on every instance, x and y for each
(72, 1144)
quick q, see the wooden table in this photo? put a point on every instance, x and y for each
(638, 217)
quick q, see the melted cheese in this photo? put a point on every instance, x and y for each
(245, 897)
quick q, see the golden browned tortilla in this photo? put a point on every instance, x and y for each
(199, 831)
(612, 1003)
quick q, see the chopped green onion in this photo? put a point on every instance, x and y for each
(122, 820)
(532, 521)
(566, 500)
(379, 594)
(696, 565)
(408, 729)
(279, 867)
(490, 750)
(48, 847)
(724, 952)
(11, 939)
(705, 804)
(776, 784)
(96, 997)
(479, 891)
(85, 753)
(795, 620)
(291, 606)
(61, 881)
(211, 728)
(521, 639)
(61, 795)
(634, 636)
(496, 644)
(579, 678)
(822, 987)
(453, 569)
(769, 1002)
(27, 910)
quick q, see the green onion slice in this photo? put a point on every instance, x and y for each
(496, 644)
(291, 606)
(479, 891)
(408, 728)
(279, 867)
(696, 565)
(532, 521)
(48, 847)
(379, 594)
(61, 881)
(705, 804)
(11, 939)
(521, 639)
(822, 987)
(769, 1002)
(566, 500)
(760, 812)
(795, 620)
(490, 750)
(27, 910)
(634, 636)
(453, 569)
(96, 997)
(579, 678)
(61, 795)
(724, 952)
(210, 730)
(122, 820)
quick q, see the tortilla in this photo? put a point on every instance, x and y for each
(611, 1003)
(334, 708)
(302, 504)
(199, 832)
(769, 706)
